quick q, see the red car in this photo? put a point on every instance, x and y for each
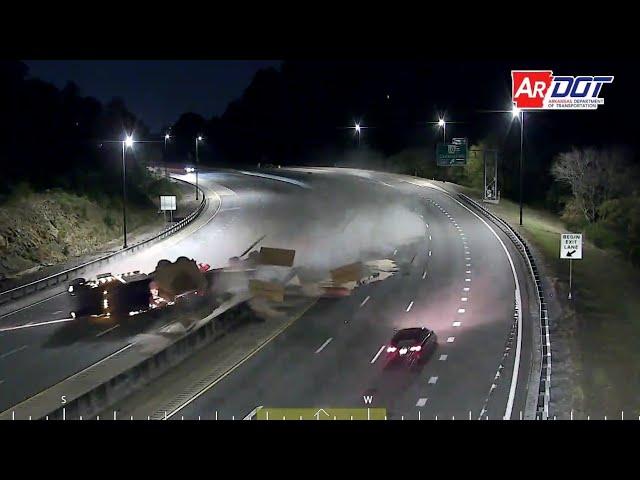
(411, 345)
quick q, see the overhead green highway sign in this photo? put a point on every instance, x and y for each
(452, 154)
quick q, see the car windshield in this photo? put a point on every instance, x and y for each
(407, 336)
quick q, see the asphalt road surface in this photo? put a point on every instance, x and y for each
(458, 278)
(41, 345)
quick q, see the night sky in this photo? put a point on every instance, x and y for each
(157, 91)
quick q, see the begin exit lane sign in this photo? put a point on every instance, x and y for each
(571, 246)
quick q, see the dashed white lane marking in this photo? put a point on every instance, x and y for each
(373, 360)
(461, 310)
(467, 279)
(429, 237)
(468, 264)
(395, 251)
(443, 357)
(433, 380)
(365, 301)
(410, 305)
(15, 350)
(467, 258)
(429, 252)
(107, 330)
(467, 271)
(424, 275)
(427, 225)
(466, 289)
(324, 345)
(464, 299)
(56, 312)
(450, 339)
(421, 402)
(457, 324)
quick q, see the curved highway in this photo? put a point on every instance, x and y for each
(459, 275)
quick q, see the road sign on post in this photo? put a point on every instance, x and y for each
(452, 154)
(167, 202)
(571, 248)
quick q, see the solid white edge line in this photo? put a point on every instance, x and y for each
(324, 344)
(373, 360)
(251, 414)
(232, 369)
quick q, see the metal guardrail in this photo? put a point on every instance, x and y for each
(52, 280)
(544, 389)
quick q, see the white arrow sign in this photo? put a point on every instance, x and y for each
(571, 246)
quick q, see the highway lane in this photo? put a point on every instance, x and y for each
(38, 356)
(456, 280)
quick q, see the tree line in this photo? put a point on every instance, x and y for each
(57, 138)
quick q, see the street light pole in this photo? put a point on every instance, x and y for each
(166, 137)
(517, 112)
(198, 139)
(521, 159)
(128, 142)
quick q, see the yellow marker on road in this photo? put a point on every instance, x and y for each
(266, 413)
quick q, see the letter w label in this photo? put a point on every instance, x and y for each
(367, 399)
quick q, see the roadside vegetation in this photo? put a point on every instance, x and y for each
(60, 191)
(51, 226)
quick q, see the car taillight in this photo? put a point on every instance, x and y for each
(391, 349)
(416, 348)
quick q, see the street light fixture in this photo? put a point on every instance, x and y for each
(358, 130)
(126, 143)
(442, 124)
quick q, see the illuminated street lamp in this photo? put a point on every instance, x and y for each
(126, 143)
(198, 140)
(442, 124)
